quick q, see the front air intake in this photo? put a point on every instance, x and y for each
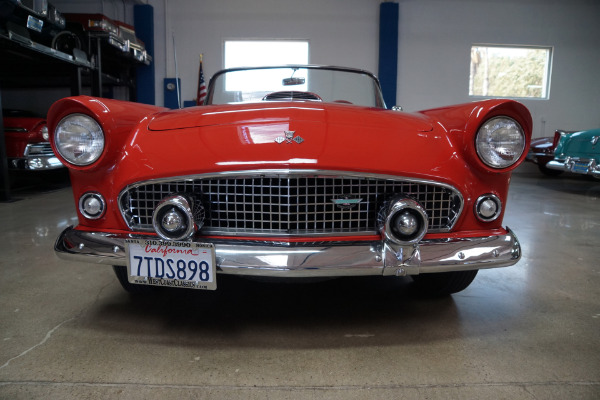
(292, 202)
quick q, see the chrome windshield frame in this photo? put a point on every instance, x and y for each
(380, 103)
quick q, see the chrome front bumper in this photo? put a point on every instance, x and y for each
(37, 156)
(578, 166)
(320, 259)
(35, 163)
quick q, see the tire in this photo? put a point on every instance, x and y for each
(121, 273)
(66, 41)
(443, 283)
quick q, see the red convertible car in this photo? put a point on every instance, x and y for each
(26, 137)
(290, 172)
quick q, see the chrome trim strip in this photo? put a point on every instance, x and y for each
(315, 260)
(246, 174)
(273, 172)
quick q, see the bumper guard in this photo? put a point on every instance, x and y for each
(578, 166)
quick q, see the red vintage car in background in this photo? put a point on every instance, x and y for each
(541, 152)
(27, 142)
(290, 172)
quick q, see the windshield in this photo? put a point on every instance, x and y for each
(319, 84)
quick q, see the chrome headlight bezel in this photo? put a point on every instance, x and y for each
(500, 142)
(79, 139)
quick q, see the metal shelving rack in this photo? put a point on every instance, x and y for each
(29, 65)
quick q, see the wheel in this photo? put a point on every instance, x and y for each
(121, 273)
(549, 172)
(66, 41)
(444, 283)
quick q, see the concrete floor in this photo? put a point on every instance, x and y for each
(531, 331)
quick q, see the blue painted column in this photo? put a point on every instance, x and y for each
(143, 21)
(388, 51)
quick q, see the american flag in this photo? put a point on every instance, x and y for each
(201, 85)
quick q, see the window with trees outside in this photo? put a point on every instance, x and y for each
(508, 71)
(253, 53)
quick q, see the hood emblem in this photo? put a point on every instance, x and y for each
(595, 140)
(346, 202)
(289, 138)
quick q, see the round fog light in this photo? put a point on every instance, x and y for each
(173, 218)
(403, 221)
(488, 207)
(92, 205)
(406, 223)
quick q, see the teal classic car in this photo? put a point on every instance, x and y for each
(578, 152)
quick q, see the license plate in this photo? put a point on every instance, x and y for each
(34, 24)
(581, 167)
(173, 264)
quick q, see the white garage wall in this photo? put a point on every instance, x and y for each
(435, 37)
(340, 32)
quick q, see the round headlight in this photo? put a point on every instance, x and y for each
(500, 142)
(79, 139)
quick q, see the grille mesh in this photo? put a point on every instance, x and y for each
(291, 204)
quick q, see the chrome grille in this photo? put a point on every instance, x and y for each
(39, 149)
(291, 203)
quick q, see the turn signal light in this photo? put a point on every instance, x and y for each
(92, 205)
(488, 207)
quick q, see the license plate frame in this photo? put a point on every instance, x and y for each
(177, 264)
(580, 167)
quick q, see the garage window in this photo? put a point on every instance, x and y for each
(254, 53)
(508, 71)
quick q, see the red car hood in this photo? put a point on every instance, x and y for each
(336, 137)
